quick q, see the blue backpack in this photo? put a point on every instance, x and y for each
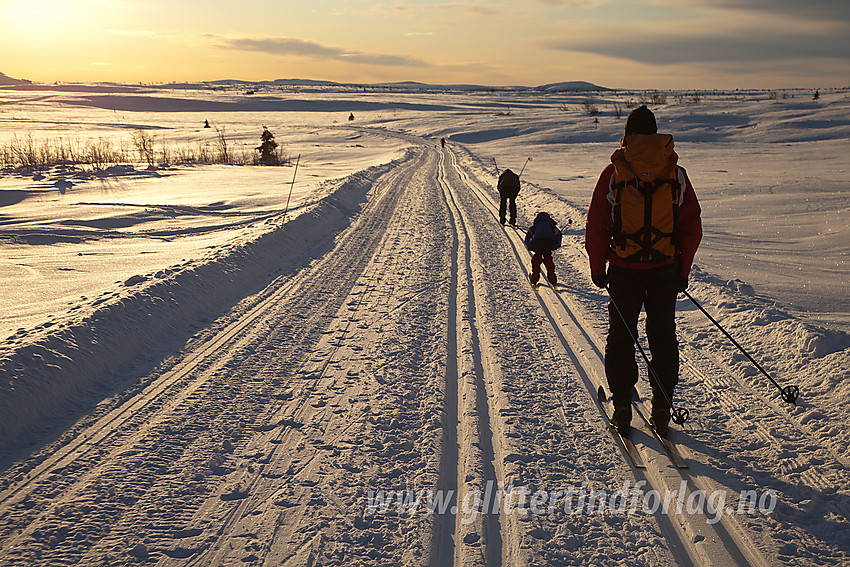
(543, 229)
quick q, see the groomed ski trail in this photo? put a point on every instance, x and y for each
(413, 356)
(216, 460)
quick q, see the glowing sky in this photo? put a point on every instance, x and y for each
(615, 43)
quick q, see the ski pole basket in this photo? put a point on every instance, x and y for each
(789, 394)
(679, 415)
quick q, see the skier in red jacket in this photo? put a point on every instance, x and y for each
(644, 223)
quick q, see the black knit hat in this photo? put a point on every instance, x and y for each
(641, 121)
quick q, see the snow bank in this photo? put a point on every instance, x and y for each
(80, 360)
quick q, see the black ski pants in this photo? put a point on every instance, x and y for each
(655, 290)
(507, 204)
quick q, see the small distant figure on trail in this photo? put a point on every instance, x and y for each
(816, 95)
(644, 223)
(508, 187)
(351, 116)
(443, 142)
(207, 124)
(542, 237)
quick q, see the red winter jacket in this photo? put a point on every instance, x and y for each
(598, 233)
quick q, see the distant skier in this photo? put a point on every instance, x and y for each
(542, 237)
(644, 222)
(508, 187)
(443, 142)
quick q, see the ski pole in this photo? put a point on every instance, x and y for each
(291, 185)
(679, 415)
(496, 166)
(789, 393)
(523, 166)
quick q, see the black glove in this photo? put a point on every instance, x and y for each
(681, 283)
(600, 280)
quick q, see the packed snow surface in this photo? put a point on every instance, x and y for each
(234, 364)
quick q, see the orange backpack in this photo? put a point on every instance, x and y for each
(645, 192)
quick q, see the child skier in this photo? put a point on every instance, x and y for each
(542, 237)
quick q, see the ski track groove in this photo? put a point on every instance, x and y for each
(731, 538)
(717, 394)
(238, 435)
(125, 417)
(544, 528)
(218, 552)
(112, 427)
(477, 443)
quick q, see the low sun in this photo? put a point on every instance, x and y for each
(39, 15)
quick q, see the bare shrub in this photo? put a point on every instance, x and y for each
(590, 106)
(185, 154)
(655, 98)
(25, 152)
(144, 143)
(99, 154)
(221, 145)
(618, 109)
(165, 155)
(205, 153)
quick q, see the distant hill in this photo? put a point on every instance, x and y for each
(571, 86)
(6, 80)
(554, 87)
(400, 85)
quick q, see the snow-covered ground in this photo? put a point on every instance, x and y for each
(191, 377)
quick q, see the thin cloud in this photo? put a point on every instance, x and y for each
(474, 9)
(810, 9)
(286, 46)
(770, 37)
(718, 48)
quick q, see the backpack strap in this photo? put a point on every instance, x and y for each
(648, 235)
(617, 215)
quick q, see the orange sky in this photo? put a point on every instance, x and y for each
(699, 44)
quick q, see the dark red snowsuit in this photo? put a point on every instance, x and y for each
(633, 285)
(542, 237)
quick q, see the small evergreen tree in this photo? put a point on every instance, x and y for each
(268, 149)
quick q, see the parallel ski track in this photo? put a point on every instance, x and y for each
(480, 442)
(96, 449)
(444, 548)
(390, 189)
(730, 545)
